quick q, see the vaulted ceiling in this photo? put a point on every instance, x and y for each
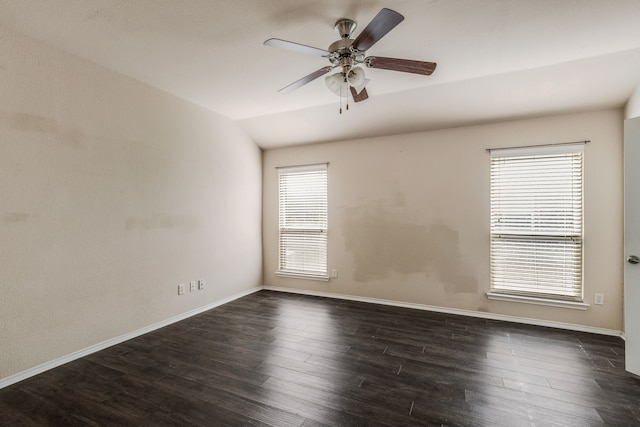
(497, 59)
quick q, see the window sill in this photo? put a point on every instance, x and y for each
(539, 301)
(302, 276)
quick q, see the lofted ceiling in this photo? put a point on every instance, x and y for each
(497, 59)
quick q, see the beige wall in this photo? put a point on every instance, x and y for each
(409, 215)
(111, 194)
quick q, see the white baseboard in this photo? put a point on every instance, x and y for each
(5, 382)
(480, 314)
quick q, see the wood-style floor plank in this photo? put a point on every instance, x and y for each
(277, 359)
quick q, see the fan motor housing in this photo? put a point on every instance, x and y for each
(343, 54)
(341, 46)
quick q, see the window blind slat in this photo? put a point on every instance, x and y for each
(536, 224)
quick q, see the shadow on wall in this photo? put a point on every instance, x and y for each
(382, 244)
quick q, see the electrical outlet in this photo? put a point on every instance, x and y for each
(181, 289)
(201, 284)
(334, 273)
(192, 285)
(598, 299)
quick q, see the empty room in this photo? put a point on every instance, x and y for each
(319, 213)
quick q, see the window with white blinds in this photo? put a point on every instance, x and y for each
(536, 222)
(302, 200)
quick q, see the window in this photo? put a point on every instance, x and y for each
(302, 201)
(536, 222)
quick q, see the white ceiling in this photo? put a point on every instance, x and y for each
(497, 59)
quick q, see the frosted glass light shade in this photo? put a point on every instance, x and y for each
(356, 77)
(337, 84)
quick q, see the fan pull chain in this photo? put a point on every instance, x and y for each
(347, 93)
(347, 102)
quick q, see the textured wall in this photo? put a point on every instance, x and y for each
(409, 215)
(112, 193)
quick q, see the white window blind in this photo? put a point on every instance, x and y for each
(536, 222)
(302, 195)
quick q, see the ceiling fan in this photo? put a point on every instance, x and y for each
(347, 54)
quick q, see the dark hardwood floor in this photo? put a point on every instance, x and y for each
(289, 360)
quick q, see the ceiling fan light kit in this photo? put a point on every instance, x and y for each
(348, 54)
(339, 83)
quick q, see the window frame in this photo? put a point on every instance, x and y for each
(303, 234)
(544, 230)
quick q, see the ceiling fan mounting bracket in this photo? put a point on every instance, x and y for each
(344, 27)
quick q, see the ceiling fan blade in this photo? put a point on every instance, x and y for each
(382, 23)
(306, 79)
(297, 47)
(357, 97)
(404, 65)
